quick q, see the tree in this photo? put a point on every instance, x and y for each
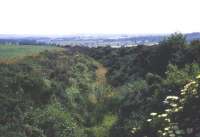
(175, 40)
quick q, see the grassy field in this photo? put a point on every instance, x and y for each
(13, 51)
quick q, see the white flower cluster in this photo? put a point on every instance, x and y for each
(172, 98)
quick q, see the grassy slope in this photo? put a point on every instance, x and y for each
(80, 72)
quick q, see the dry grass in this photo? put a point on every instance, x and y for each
(101, 74)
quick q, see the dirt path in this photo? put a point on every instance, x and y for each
(101, 74)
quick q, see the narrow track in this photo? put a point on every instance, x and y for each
(101, 74)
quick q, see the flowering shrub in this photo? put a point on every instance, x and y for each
(181, 115)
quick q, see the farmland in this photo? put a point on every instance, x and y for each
(13, 51)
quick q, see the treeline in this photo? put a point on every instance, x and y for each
(22, 41)
(131, 63)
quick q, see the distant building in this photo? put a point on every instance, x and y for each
(114, 46)
(133, 45)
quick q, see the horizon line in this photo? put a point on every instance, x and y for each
(90, 34)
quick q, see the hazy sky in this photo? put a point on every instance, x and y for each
(99, 16)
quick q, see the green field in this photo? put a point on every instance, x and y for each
(15, 51)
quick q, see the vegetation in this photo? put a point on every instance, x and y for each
(52, 95)
(144, 91)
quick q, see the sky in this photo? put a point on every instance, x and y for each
(60, 17)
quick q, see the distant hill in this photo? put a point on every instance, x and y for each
(192, 36)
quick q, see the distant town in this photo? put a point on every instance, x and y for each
(113, 40)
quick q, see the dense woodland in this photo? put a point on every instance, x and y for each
(143, 91)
